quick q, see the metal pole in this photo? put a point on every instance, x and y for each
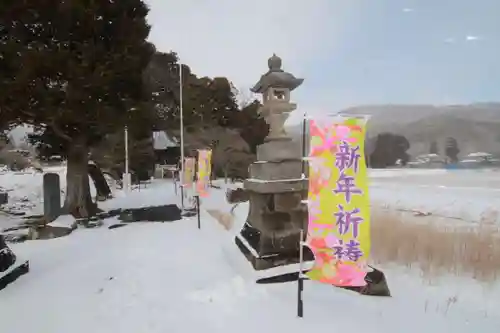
(198, 210)
(304, 128)
(182, 196)
(181, 107)
(174, 178)
(300, 280)
(126, 179)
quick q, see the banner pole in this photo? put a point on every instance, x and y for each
(197, 198)
(182, 196)
(300, 280)
(181, 180)
(174, 178)
(304, 138)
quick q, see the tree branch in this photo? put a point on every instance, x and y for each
(57, 130)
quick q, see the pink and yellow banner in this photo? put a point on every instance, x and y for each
(339, 206)
(204, 172)
(188, 176)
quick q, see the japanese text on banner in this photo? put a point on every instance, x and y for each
(204, 172)
(339, 207)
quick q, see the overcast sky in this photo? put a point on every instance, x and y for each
(349, 52)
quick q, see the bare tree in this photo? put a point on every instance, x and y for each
(244, 96)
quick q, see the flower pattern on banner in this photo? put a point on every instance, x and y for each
(204, 172)
(338, 203)
(188, 176)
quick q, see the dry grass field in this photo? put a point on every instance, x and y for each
(431, 244)
(437, 246)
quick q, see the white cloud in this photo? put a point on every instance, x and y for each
(408, 10)
(234, 38)
(472, 38)
(469, 38)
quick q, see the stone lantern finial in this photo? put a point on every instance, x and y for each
(275, 87)
(276, 77)
(274, 63)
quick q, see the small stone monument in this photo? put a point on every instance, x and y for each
(277, 183)
(51, 196)
(4, 198)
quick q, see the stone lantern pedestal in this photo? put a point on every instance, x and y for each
(277, 183)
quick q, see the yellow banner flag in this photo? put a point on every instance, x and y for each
(339, 206)
(188, 176)
(204, 171)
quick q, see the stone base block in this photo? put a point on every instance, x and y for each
(277, 213)
(285, 202)
(282, 186)
(279, 150)
(249, 242)
(276, 170)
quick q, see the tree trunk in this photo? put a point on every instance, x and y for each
(78, 200)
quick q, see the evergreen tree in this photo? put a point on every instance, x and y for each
(4, 139)
(433, 148)
(74, 69)
(162, 78)
(207, 102)
(388, 148)
(252, 126)
(451, 149)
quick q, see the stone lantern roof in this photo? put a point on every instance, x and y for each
(276, 77)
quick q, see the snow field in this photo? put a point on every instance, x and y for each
(158, 277)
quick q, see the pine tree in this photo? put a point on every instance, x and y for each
(74, 69)
(433, 148)
(252, 126)
(451, 149)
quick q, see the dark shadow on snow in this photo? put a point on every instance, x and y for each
(166, 213)
(376, 282)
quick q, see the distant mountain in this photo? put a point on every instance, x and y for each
(476, 127)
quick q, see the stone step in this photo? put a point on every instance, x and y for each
(276, 170)
(279, 150)
(281, 186)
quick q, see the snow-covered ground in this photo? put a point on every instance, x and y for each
(462, 194)
(25, 189)
(172, 277)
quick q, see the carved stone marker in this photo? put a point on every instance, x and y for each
(51, 196)
(277, 183)
(4, 198)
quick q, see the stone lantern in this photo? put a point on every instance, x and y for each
(277, 183)
(275, 87)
